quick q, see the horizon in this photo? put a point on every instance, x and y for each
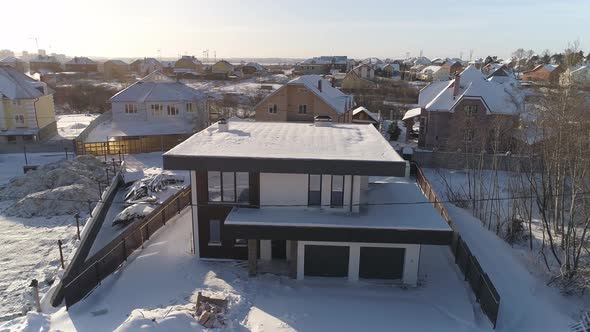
(234, 29)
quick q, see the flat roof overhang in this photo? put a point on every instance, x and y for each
(336, 234)
(285, 165)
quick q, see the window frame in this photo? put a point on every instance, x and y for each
(172, 110)
(471, 110)
(130, 108)
(236, 196)
(332, 191)
(189, 108)
(220, 241)
(19, 119)
(272, 108)
(309, 189)
(302, 108)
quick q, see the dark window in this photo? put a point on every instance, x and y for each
(11, 139)
(229, 187)
(337, 197)
(315, 190)
(468, 135)
(272, 108)
(470, 110)
(214, 232)
(302, 109)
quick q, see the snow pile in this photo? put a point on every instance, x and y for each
(58, 188)
(33, 321)
(175, 318)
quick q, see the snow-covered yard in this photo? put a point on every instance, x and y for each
(69, 126)
(518, 273)
(153, 291)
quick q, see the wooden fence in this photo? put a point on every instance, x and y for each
(130, 144)
(107, 260)
(485, 293)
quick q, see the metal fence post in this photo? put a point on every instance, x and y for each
(61, 255)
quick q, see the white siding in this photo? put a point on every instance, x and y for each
(283, 189)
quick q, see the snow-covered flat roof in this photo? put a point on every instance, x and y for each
(289, 140)
(412, 211)
(109, 129)
(288, 147)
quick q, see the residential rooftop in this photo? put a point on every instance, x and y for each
(337, 99)
(16, 85)
(284, 147)
(156, 87)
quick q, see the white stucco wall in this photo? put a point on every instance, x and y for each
(283, 189)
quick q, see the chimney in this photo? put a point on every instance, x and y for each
(320, 85)
(456, 85)
(222, 125)
(322, 121)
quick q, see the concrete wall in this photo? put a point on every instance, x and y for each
(411, 259)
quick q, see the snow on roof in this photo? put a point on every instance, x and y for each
(255, 65)
(421, 216)
(41, 58)
(109, 129)
(117, 62)
(16, 85)
(581, 69)
(335, 98)
(327, 60)
(80, 61)
(500, 97)
(412, 113)
(156, 87)
(372, 115)
(289, 140)
(10, 59)
(432, 69)
(429, 92)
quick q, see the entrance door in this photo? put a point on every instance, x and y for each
(381, 263)
(278, 249)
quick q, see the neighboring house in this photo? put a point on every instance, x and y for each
(434, 73)
(168, 67)
(578, 76)
(188, 65)
(353, 81)
(365, 71)
(14, 63)
(388, 70)
(115, 69)
(145, 66)
(453, 66)
(223, 67)
(253, 68)
(81, 65)
(543, 74)
(27, 111)
(363, 115)
(304, 98)
(158, 105)
(300, 196)
(44, 64)
(323, 65)
(469, 112)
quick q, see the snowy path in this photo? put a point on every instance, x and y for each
(527, 303)
(159, 281)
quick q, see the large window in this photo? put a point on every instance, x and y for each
(130, 108)
(157, 109)
(189, 107)
(214, 232)
(337, 197)
(172, 110)
(314, 197)
(229, 187)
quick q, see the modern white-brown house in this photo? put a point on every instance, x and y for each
(304, 98)
(304, 196)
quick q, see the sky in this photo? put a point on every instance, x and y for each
(293, 29)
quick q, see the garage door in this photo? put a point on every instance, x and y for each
(326, 261)
(381, 263)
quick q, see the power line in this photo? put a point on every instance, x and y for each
(214, 203)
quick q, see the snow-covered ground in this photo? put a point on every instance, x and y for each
(29, 245)
(69, 126)
(527, 303)
(249, 88)
(154, 289)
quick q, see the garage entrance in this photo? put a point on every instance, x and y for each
(326, 261)
(381, 263)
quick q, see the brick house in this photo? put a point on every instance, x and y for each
(304, 98)
(469, 112)
(44, 64)
(543, 73)
(81, 65)
(115, 69)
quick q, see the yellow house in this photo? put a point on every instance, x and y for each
(304, 98)
(353, 81)
(27, 112)
(222, 67)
